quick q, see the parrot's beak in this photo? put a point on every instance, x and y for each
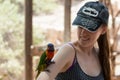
(51, 49)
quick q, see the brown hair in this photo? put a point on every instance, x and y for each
(104, 54)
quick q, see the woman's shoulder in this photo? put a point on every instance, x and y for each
(67, 47)
(65, 55)
(68, 44)
(66, 50)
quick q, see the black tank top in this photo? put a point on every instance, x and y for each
(76, 73)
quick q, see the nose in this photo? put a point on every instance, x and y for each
(83, 30)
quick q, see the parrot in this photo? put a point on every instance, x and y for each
(45, 59)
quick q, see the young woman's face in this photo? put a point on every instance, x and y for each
(86, 38)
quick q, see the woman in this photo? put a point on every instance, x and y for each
(81, 60)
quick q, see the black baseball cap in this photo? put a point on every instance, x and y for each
(91, 15)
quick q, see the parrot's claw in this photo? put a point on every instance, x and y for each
(49, 63)
(52, 62)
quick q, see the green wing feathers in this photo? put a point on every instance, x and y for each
(41, 66)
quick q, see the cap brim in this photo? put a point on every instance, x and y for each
(87, 23)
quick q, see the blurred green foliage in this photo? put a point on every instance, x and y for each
(12, 35)
(43, 6)
(11, 48)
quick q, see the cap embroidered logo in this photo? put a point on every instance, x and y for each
(90, 11)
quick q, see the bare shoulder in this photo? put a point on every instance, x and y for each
(67, 48)
(64, 56)
(64, 52)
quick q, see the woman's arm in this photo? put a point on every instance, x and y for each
(61, 58)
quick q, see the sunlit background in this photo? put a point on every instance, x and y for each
(48, 26)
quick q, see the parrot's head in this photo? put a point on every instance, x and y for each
(50, 47)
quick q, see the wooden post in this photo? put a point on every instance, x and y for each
(28, 40)
(67, 21)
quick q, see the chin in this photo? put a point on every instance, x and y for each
(84, 44)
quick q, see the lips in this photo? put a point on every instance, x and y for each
(84, 38)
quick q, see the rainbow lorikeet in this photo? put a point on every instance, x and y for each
(45, 59)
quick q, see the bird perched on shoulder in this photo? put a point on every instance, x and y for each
(45, 59)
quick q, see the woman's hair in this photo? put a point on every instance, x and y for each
(104, 55)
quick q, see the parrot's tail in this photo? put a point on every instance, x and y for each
(37, 75)
(40, 69)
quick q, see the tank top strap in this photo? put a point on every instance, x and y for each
(75, 57)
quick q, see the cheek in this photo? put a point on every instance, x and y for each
(78, 33)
